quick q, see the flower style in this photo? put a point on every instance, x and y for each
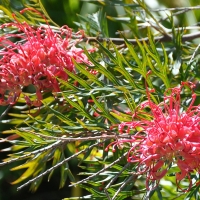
(165, 136)
(39, 57)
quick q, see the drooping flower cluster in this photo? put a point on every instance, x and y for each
(167, 135)
(37, 59)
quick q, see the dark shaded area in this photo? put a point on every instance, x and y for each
(63, 12)
(47, 190)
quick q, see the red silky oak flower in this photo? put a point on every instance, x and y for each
(39, 57)
(166, 135)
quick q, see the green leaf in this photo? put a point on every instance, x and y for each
(102, 69)
(79, 108)
(82, 82)
(104, 111)
(62, 117)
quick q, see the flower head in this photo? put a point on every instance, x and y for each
(166, 135)
(37, 59)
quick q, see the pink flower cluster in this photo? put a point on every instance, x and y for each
(166, 135)
(37, 59)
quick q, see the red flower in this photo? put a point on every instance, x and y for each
(167, 135)
(39, 57)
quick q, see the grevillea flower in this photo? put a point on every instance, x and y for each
(164, 135)
(39, 57)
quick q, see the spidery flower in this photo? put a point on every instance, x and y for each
(39, 57)
(167, 135)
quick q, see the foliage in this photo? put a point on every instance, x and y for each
(81, 120)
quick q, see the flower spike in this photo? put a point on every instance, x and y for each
(37, 59)
(168, 135)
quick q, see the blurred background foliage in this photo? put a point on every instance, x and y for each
(74, 13)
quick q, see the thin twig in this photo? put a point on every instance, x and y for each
(176, 9)
(49, 147)
(194, 54)
(57, 165)
(112, 180)
(104, 136)
(151, 10)
(6, 111)
(164, 38)
(180, 12)
(100, 171)
(123, 185)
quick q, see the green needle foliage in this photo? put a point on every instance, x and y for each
(81, 120)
